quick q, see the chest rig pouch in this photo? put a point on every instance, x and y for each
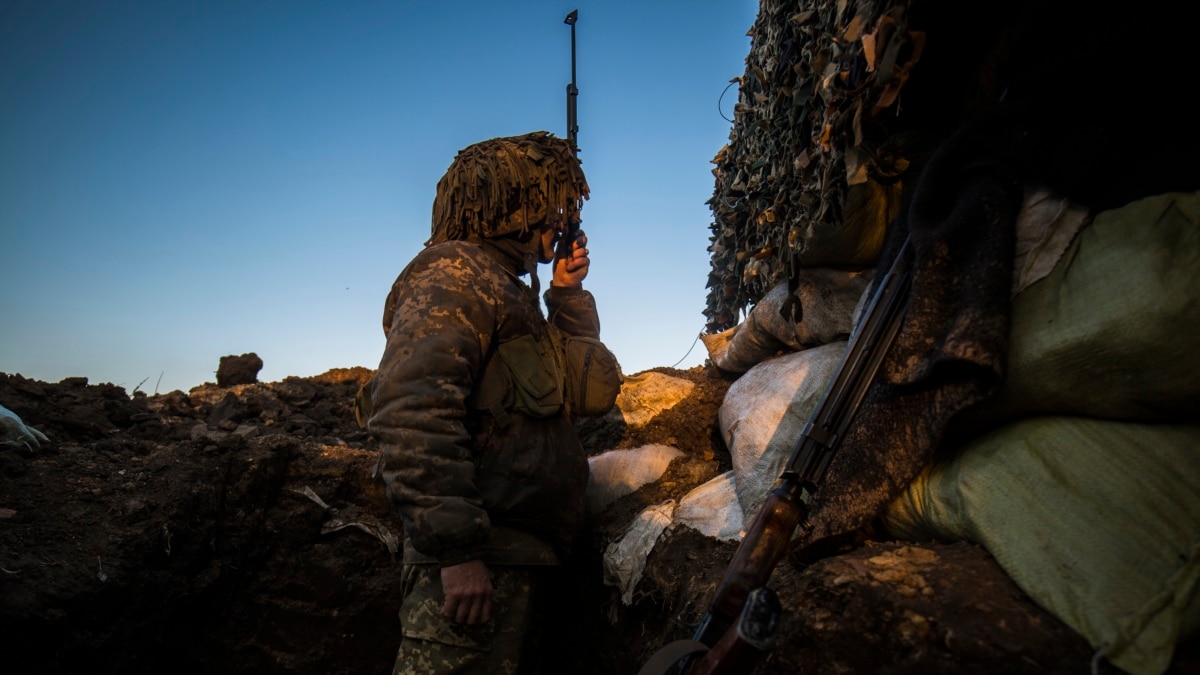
(538, 375)
(592, 375)
(524, 375)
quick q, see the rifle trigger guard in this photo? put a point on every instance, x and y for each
(665, 659)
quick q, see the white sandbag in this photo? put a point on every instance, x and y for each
(1097, 521)
(716, 344)
(625, 560)
(617, 473)
(645, 395)
(827, 297)
(712, 509)
(765, 410)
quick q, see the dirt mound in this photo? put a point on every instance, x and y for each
(242, 530)
(173, 529)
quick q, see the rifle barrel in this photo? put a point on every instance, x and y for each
(767, 540)
(869, 344)
(572, 89)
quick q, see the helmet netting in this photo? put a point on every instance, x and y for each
(492, 179)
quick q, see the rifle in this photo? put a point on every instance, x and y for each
(739, 625)
(572, 90)
(564, 243)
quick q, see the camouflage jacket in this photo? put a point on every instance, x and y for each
(469, 483)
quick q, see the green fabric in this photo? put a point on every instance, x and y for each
(1111, 332)
(593, 376)
(1086, 489)
(534, 373)
(1097, 521)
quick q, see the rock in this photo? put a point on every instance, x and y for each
(238, 370)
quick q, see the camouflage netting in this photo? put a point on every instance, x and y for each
(809, 177)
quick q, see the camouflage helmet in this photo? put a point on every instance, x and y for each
(504, 185)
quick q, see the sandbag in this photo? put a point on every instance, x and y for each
(616, 473)
(712, 509)
(1111, 332)
(1098, 521)
(645, 395)
(764, 411)
(625, 559)
(827, 298)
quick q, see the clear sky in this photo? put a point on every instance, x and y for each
(184, 180)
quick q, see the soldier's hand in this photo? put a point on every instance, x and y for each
(572, 269)
(468, 589)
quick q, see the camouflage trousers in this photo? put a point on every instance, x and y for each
(507, 645)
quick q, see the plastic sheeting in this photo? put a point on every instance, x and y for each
(14, 431)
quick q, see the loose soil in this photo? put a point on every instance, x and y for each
(243, 530)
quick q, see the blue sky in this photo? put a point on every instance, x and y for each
(184, 180)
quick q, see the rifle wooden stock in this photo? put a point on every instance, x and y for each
(763, 546)
(743, 644)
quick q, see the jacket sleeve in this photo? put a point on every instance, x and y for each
(441, 325)
(573, 310)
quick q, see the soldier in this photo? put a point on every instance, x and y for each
(480, 453)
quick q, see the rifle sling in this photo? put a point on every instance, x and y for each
(665, 659)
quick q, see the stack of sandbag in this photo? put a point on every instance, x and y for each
(786, 365)
(761, 416)
(710, 508)
(818, 311)
(785, 352)
(1082, 477)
